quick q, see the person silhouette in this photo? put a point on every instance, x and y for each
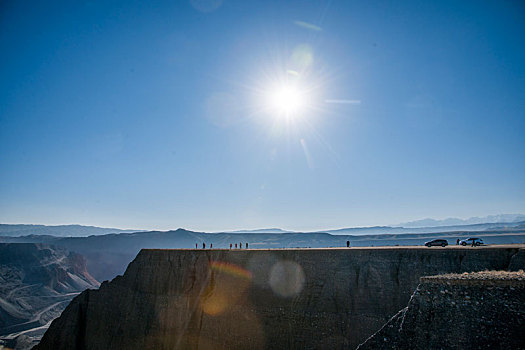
(230, 246)
(348, 244)
(211, 245)
(246, 245)
(203, 245)
(235, 245)
(195, 245)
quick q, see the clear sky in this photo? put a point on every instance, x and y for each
(157, 114)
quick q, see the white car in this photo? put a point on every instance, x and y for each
(468, 241)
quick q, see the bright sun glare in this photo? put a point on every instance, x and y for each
(287, 100)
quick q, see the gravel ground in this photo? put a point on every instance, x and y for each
(484, 275)
(493, 278)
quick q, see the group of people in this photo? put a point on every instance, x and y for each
(211, 245)
(203, 245)
(240, 245)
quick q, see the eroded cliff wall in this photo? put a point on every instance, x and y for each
(469, 311)
(297, 298)
(37, 281)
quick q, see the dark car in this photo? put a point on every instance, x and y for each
(469, 241)
(437, 242)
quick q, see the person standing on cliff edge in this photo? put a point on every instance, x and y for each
(348, 244)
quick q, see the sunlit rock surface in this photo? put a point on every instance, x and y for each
(37, 282)
(294, 298)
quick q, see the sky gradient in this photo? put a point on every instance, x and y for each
(151, 115)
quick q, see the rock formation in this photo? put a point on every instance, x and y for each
(108, 255)
(36, 283)
(469, 311)
(296, 298)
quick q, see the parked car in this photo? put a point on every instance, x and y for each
(468, 241)
(437, 242)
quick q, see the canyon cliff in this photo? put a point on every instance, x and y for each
(293, 298)
(483, 310)
(37, 281)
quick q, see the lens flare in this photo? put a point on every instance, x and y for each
(227, 287)
(231, 269)
(287, 278)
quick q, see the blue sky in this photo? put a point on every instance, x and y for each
(152, 114)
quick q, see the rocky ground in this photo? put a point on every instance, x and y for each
(496, 276)
(480, 310)
(36, 283)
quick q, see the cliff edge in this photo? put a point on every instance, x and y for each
(483, 310)
(293, 298)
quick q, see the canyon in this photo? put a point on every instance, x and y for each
(37, 282)
(286, 298)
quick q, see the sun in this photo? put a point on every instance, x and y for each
(286, 100)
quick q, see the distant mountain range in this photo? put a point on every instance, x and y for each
(492, 222)
(375, 230)
(502, 218)
(18, 230)
(261, 230)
